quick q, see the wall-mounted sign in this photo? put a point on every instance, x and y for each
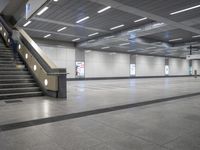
(132, 69)
(32, 6)
(80, 69)
(166, 69)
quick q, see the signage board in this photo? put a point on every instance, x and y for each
(80, 69)
(132, 69)
(193, 57)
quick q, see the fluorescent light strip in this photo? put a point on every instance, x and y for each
(184, 10)
(48, 35)
(93, 34)
(140, 19)
(26, 24)
(62, 29)
(90, 41)
(83, 19)
(173, 40)
(135, 30)
(104, 9)
(196, 36)
(42, 11)
(123, 44)
(77, 39)
(108, 37)
(150, 48)
(55, 0)
(116, 27)
(107, 47)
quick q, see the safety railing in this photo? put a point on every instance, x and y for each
(51, 79)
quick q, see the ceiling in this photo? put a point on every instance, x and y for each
(159, 34)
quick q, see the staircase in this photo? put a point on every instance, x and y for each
(15, 79)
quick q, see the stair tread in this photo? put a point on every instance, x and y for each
(38, 92)
(17, 84)
(27, 88)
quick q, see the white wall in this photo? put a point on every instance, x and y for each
(62, 56)
(196, 66)
(150, 66)
(178, 66)
(102, 64)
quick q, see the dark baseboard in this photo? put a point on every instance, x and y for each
(138, 77)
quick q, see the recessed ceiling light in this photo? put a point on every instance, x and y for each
(83, 19)
(195, 36)
(140, 19)
(150, 48)
(27, 23)
(104, 9)
(108, 37)
(93, 34)
(42, 11)
(135, 30)
(178, 39)
(48, 35)
(90, 41)
(77, 39)
(106, 47)
(61, 29)
(123, 44)
(184, 10)
(116, 27)
(55, 0)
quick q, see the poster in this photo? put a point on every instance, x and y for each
(132, 69)
(80, 69)
(166, 69)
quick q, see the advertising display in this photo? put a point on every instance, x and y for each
(166, 69)
(132, 69)
(80, 69)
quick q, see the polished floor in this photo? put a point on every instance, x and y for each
(172, 125)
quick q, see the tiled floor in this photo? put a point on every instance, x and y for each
(171, 125)
(89, 95)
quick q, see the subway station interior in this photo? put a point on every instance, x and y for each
(99, 74)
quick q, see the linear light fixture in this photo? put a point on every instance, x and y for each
(93, 34)
(195, 36)
(42, 11)
(106, 47)
(77, 39)
(109, 37)
(140, 19)
(83, 19)
(116, 27)
(123, 44)
(135, 30)
(61, 29)
(178, 39)
(184, 10)
(27, 23)
(88, 51)
(90, 41)
(150, 48)
(55, 0)
(48, 35)
(104, 9)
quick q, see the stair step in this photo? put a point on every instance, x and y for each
(11, 65)
(7, 81)
(10, 62)
(14, 72)
(6, 53)
(20, 95)
(15, 76)
(9, 59)
(19, 90)
(12, 69)
(17, 85)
